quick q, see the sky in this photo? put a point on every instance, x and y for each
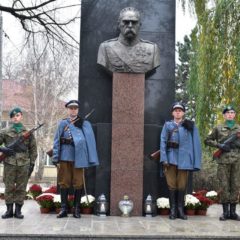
(184, 23)
(14, 34)
(13, 39)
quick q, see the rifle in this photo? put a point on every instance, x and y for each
(155, 155)
(17, 145)
(50, 152)
(228, 141)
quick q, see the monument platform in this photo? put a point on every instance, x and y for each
(46, 226)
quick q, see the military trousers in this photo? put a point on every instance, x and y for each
(15, 179)
(229, 182)
(176, 178)
(69, 176)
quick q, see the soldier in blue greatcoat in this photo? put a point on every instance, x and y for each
(180, 149)
(74, 149)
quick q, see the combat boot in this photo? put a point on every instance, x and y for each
(172, 201)
(180, 205)
(225, 214)
(233, 214)
(64, 201)
(9, 212)
(77, 199)
(18, 213)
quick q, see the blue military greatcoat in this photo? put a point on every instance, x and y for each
(188, 155)
(83, 149)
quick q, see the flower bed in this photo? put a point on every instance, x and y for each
(45, 200)
(191, 202)
(87, 201)
(204, 201)
(212, 195)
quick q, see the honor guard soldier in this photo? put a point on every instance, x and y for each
(74, 149)
(180, 150)
(228, 170)
(18, 166)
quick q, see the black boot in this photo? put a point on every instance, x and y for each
(9, 212)
(225, 214)
(18, 213)
(77, 199)
(64, 201)
(172, 201)
(233, 214)
(180, 205)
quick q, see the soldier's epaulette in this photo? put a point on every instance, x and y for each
(111, 40)
(146, 41)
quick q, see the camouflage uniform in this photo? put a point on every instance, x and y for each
(16, 167)
(228, 164)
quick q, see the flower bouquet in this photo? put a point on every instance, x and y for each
(212, 195)
(205, 202)
(2, 191)
(45, 201)
(191, 203)
(52, 189)
(87, 204)
(35, 190)
(70, 201)
(57, 202)
(163, 205)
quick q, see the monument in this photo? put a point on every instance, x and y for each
(118, 99)
(128, 57)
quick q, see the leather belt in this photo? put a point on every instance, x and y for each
(172, 145)
(66, 140)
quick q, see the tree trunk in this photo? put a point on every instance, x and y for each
(40, 165)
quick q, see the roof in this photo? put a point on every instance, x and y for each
(20, 94)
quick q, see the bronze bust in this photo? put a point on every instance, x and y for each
(129, 53)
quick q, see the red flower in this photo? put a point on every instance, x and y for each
(70, 200)
(52, 189)
(205, 202)
(70, 197)
(45, 201)
(35, 188)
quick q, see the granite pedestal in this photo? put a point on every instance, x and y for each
(127, 140)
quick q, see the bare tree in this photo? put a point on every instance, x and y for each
(50, 77)
(47, 18)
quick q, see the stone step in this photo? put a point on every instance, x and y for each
(92, 237)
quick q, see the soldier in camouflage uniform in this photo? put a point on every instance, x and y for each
(228, 171)
(17, 166)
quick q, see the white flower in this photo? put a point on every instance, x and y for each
(90, 199)
(211, 194)
(190, 199)
(2, 190)
(57, 198)
(163, 202)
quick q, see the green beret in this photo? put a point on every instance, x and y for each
(15, 111)
(228, 108)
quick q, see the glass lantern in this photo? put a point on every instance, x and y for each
(148, 206)
(126, 206)
(102, 206)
